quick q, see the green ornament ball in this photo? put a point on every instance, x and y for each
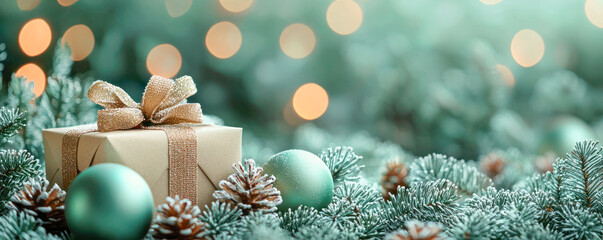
(302, 178)
(109, 201)
(562, 133)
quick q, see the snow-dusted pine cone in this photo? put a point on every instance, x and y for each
(177, 219)
(47, 205)
(492, 164)
(416, 230)
(249, 189)
(394, 176)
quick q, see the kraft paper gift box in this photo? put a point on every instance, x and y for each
(146, 152)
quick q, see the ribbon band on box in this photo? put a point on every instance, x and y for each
(163, 105)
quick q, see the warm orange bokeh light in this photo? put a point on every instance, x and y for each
(35, 37)
(527, 48)
(297, 40)
(164, 60)
(236, 6)
(27, 5)
(223, 40)
(344, 16)
(310, 101)
(33, 73)
(80, 40)
(66, 3)
(490, 2)
(177, 8)
(594, 12)
(506, 75)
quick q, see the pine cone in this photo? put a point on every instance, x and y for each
(416, 230)
(48, 206)
(177, 219)
(492, 164)
(249, 189)
(394, 176)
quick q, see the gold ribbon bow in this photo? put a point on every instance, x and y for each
(163, 104)
(160, 104)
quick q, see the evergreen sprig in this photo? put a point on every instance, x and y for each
(584, 175)
(11, 120)
(468, 179)
(221, 218)
(425, 201)
(292, 221)
(19, 225)
(359, 196)
(16, 167)
(342, 162)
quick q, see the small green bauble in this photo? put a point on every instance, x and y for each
(302, 178)
(562, 134)
(109, 201)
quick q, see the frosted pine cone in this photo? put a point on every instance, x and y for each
(416, 230)
(249, 189)
(48, 206)
(394, 176)
(492, 164)
(177, 219)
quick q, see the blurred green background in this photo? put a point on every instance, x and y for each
(456, 77)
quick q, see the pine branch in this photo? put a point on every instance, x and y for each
(292, 221)
(62, 62)
(323, 232)
(11, 120)
(369, 225)
(360, 197)
(260, 226)
(221, 218)
(425, 201)
(19, 225)
(342, 162)
(16, 167)
(576, 222)
(584, 175)
(467, 178)
(474, 224)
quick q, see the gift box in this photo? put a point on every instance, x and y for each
(146, 152)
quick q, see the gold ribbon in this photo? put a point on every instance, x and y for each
(163, 104)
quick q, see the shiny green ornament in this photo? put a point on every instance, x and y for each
(109, 201)
(562, 133)
(302, 178)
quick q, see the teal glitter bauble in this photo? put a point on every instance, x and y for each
(109, 201)
(302, 178)
(562, 134)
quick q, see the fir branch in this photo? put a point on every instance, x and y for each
(425, 201)
(221, 218)
(369, 225)
(342, 162)
(323, 232)
(11, 120)
(292, 221)
(474, 224)
(260, 226)
(20, 93)
(584, 175)
(62, 62)
(576, 222)
(16, 167)
(361, 197)
(467, 178)
(19, 225)
(339, 213)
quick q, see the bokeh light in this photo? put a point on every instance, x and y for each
(310, 101)
(594, 12)
(236, 6)
(297, 40)
(34, 37)
(344, 16)
(34, 74)
(527, 48)
(66, 3)
(80, 40)
(164, 60)
(177, 8)
(490, 2)
(223, 40)
(27, 5)
(506, 75)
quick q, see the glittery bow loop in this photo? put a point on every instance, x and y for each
(161, 104)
